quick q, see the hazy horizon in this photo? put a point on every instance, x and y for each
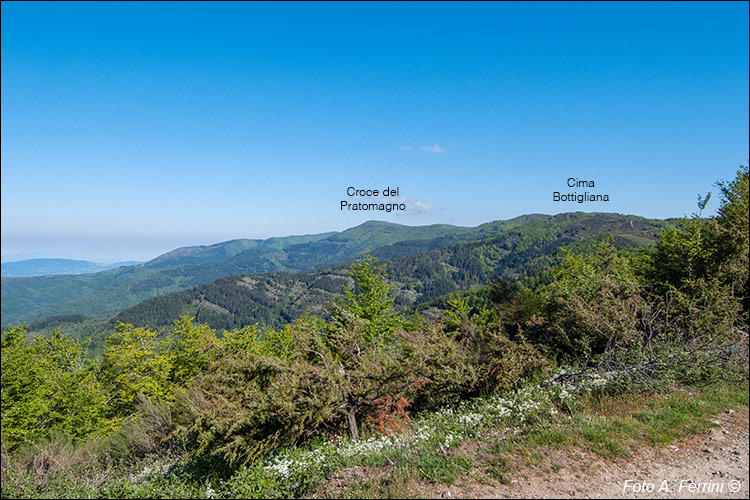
(107, 259)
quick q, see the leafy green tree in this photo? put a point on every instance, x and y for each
(48, 385)
(189, 349)
(700, 269)
(134, 363)
(372, 300)
(362, 341)
(684, 254)
(369, 367)
(700, 248)
(246, 339)
(732, 241)
(458, 315)
(517, 306)
(25, 390)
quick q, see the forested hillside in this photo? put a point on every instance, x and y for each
(523, 247)
(106, 293)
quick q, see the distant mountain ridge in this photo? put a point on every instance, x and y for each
(218, 252)
(107, 293)
(103, 294)
(510, 249)
(46, 266)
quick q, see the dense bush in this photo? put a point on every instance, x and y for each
(48, 386)
(677, 313)
(246, 404)
(595, 301)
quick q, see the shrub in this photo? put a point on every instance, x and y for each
(595, 301)
(48, 386)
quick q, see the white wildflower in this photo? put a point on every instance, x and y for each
(470, 419)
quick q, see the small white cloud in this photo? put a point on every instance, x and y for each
(422, 206)
(404, 148)
(434, 148)
(413, 206)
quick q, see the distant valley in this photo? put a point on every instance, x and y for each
(43, 267)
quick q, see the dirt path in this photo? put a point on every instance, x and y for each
(713, 464)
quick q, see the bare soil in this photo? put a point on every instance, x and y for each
(712, 464)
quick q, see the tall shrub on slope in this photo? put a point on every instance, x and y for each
(48, 386)
(267, 388)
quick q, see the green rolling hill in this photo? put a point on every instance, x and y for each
(105, 293)
(517, 249)
(429, 261)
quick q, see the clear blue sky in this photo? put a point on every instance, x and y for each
(129, 129)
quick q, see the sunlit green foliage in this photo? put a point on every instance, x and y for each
(734, 234)
(684, 254)
(594, 300)
(134, 363)
(700, 269)
(373, 300)
(703, 248)
(189, 350)
(48, 386)
(247, 339)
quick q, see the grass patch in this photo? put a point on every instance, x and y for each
(397, 484)
(440, 469)
(666, 418)
(556, 436)
(613, 426)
